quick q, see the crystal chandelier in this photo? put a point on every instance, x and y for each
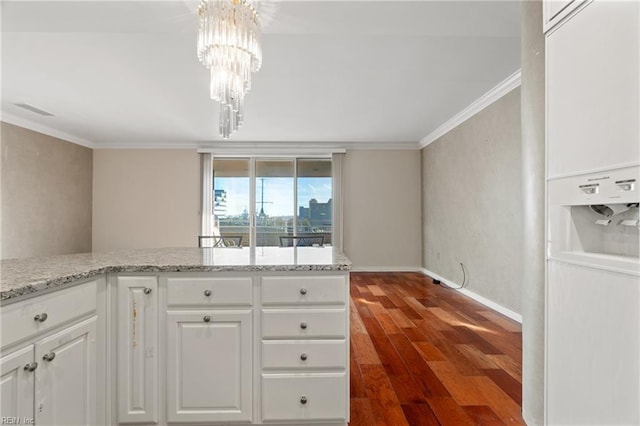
(229, 46)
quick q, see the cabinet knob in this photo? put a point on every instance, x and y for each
(303, 356)
(207, 318)
(207, 293)
(303, 325)
(31, 367)
(303, 291)
(41, 317)
(303, 400)
(49, 357)
(147, 290)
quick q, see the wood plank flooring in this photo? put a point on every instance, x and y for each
(422, 354)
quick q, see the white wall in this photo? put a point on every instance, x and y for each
(145, 199)
(382, 227)
(46, 195)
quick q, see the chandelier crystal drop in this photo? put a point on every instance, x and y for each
(229, 46)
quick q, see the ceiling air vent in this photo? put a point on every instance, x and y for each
(34, 109)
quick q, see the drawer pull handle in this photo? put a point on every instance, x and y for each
(41, 317)
(49, 357)
(303, 356)
(207, 318)
(303, 325)
(303, 291)
(147, 290)
(31, 367)
(303, 400)
(207, 293)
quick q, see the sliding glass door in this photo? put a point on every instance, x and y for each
(264, 199)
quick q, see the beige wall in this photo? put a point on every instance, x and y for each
(46, 195)
(472, 203)
(382, 209)
(145, 199)
(533, 184)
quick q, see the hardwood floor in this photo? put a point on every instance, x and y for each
(422, 354)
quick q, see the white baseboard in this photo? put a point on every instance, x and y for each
(486, 302)
(386, 269)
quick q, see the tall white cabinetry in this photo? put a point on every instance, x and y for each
(51, 369)
(593, 177)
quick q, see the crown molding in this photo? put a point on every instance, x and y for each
(475, 107)
(245, 147)
(46, 130)
(226, 147)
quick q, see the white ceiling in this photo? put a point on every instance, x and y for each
(126, 73)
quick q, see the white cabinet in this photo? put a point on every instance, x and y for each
(49, 358)
(182, 350)
(301, 290)
(304, 354)
(209, 366)
(593, 89)
(59, 373)
(305, 343)
(17, 380)
(593, 355)
(66, 377)
(205, 292)
(24, 320)
(137, 323)
(287, 397)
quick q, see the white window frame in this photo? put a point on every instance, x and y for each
(336, 159)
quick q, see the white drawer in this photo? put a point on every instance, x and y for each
(18, 320)
(304, 290)
(304, 354)
(324, 396)
(209, 291)
(304, 324)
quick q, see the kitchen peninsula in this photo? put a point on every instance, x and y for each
(177, 336)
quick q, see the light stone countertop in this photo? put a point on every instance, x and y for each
(20, 277)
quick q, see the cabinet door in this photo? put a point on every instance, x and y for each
(593, 369)
(17, 371)
(209, 366)
(66, 378)
(137, 349)
(593, 102)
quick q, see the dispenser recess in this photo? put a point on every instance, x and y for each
(593, 219)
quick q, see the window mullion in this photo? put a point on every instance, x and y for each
(295, 196)
(252, 203)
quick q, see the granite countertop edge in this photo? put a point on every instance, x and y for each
(18, 290)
